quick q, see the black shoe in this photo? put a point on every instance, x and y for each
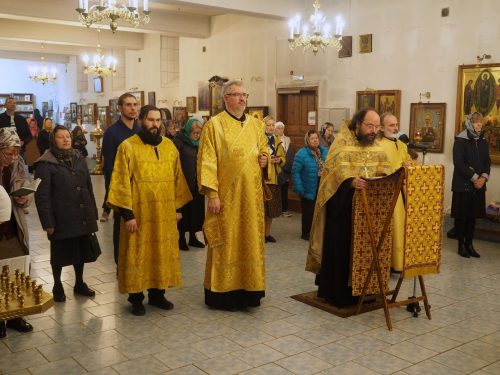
(195, 243)
(138, 309)
(3, 329)
(270, 239)
(462, 250)
(20, 325)
(305, 236)
(161, 302)
(58, 293)
(183, 245)
(472, 252)
(83, 290)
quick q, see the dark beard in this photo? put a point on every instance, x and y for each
(148, 137)
(366, 139)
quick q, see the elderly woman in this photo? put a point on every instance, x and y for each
(193, 213)
(306, 171)
(67, 209)
(43, 136)
(285, 176)
(79, 141)
(32, 153)
(471, 161)
(14, 240)
(327, 137)
(273, 207)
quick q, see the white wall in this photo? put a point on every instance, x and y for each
(414, 50)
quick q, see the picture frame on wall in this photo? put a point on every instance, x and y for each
(98, 85)
(203, 96)
(346, 43)
(73, 111)
(114, 113)
(180, 116)
(478, 90)
(139, 95)
(380, 100)
(79, 111)
(427, 125)
(365, 43)
(152, 98)
(258, 112)
(191, 104)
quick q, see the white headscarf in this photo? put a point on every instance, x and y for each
(5, 206)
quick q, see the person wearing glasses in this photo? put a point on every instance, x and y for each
(14, 240)
(232, 166)
(346, 167)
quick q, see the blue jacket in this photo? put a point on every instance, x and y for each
(305, 172)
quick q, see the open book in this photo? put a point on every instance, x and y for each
(28, 189)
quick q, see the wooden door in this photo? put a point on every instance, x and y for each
(293, 106)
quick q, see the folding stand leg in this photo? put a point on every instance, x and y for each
(424, 294)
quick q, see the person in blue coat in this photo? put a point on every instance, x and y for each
(306, 171)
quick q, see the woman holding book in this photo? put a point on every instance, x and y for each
(67, 209)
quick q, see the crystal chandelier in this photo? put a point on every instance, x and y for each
(41, 73)
(101, 66)
(110, 11)
(321, 36)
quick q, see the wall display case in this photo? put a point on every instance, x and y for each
(104, 117)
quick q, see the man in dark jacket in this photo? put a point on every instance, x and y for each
(10, 118)
(124, 128)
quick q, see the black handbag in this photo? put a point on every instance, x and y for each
(94, 249)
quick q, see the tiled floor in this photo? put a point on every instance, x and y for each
(283, 336)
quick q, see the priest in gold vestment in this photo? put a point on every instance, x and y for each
(148, 188)
(353, 157)
(232, 155)
(398, 155)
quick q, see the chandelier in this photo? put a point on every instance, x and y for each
(110, 11)
(101, 66)
(320, 37)
(41, 73)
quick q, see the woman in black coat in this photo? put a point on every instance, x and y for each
(471, 161)
(67, 209)
(193, 213)
(43, 136)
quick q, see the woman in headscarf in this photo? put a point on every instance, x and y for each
(273, 207)
(327, 135)
(32, 153)
(79, 141)
(193, 213)
(67, 209)
(43, 136)
(471, 162)
(306, 171)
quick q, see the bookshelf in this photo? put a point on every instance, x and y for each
(25, 103)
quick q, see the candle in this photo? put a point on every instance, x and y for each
(145, 6)
(80, 4)
(98, 124)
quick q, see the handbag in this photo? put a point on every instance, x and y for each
(93, 250)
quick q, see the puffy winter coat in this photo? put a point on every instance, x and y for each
(305, 172)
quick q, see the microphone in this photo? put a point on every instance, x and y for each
(420, 146)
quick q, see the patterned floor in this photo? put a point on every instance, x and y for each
(283, 336)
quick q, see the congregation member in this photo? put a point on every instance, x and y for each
(471, 171)
(125, 127)
(67, 210)
(307, 168)
(346, 167)
(193, 213)
(5, 205)
(273, 206)
(10, 118)
(43, 142)
(285, 176)
(32, 153)
(232, 160)
(14, 239)
(398, 155)
(148, 188)
(79, 141)
(327, 135)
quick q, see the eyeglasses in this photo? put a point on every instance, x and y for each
(10, 155)
(371, 126)
(239, 95)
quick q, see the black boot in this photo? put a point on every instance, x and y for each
(472, 252)
(193, 241)
(58, 293)
(462, 250)
(182, 242)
